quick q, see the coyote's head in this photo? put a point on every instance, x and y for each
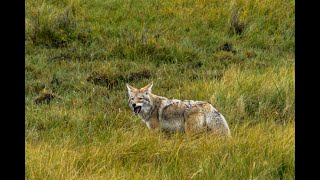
(139, 99)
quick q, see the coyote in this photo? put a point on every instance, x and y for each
(175, 115)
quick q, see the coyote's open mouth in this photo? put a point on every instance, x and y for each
(136, 110)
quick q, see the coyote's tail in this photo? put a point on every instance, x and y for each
(217, 123)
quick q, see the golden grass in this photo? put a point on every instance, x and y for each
(255, 152)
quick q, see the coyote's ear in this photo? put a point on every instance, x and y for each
(130, 88)
(147, 88)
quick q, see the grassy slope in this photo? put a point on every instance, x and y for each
(89, 132)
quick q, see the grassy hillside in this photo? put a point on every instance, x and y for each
(238, 55)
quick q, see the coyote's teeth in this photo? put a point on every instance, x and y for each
(137, 109)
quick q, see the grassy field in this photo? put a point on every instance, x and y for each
(238, 55)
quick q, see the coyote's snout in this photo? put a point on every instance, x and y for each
(175, 115)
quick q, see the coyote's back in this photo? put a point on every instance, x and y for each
(175, 115)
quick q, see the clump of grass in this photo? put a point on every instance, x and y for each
(236, 26)
(36, 87)
(227, 46)
(112, 81)
(45, 96)
(227, 58)
(87, 54)
(250, 54)
(136, 45)
(49, 27)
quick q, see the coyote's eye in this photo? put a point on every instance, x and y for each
(140, 98)
(132, 98)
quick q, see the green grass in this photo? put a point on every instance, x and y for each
(82, 53)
